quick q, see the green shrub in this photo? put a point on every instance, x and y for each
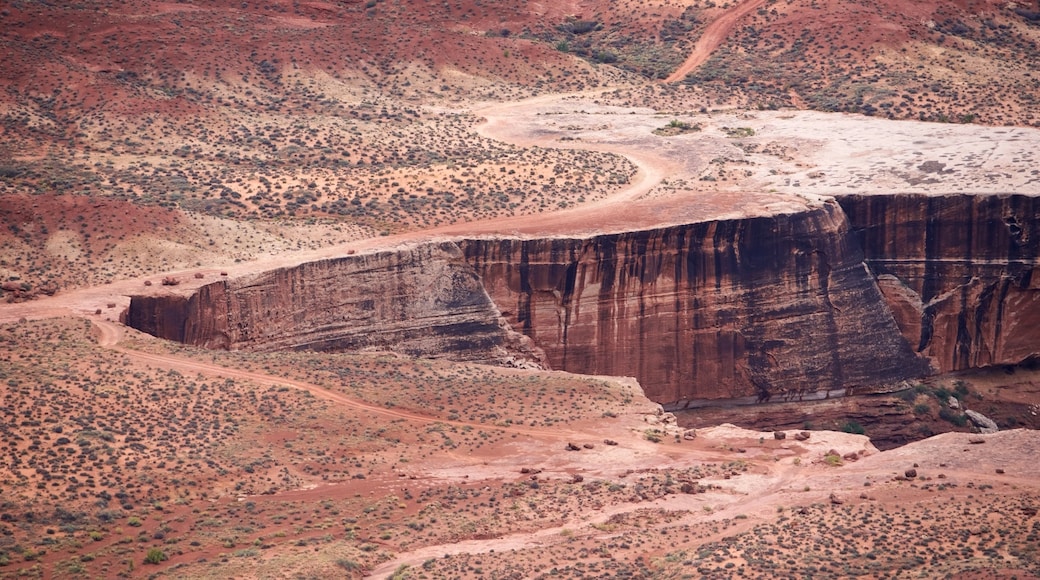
(155, 556)
(909, 395)
(922, 409)
(853, 427)
(957, 419)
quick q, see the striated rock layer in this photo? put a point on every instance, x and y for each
(421, 301)
(957, 271)
(769, 307)
(852, 297)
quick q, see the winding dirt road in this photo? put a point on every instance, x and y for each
(713, 36)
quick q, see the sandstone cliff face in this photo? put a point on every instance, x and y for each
(957, 272)
(421, 301)
(766, 308)
(762, 307)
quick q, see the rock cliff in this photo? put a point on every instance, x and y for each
(831, 298)
(957, 272)
(770, 307)
(423, 301)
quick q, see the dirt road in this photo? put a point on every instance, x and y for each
(714, 34)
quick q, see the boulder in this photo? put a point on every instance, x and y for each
(982, 422)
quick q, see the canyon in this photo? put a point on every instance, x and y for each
(855, 294)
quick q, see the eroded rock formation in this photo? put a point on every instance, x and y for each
(422, 301)
(762, 307)
(957, 272)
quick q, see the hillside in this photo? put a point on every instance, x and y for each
(374, 226)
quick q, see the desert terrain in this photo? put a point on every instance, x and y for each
(168, 151)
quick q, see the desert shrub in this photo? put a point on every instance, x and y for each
(922, 409)
(961, 388)
(155, 556)
(579, 26)
(957, 419)
(909, 395)
(853, 427)
(348, 565)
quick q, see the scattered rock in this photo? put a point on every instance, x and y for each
(778, 435)
(802, 435)
(836, 500)
(1000, 471)
(573, 447)
(199, 275)
(223, 273)
(147, 282)
(588, 445)
(609, 442)
(851, 456)
(170, 281)
(910, 473)
(689, 434)
(953, 403)
(976, 440)
(577, 478)
(1029, 511)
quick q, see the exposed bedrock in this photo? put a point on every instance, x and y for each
(957, 272)
(857, 296)
(422, 301)
(768, 307)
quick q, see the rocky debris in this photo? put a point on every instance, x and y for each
(199, 275)
(851, 456)
(976, 440)
(953, 403)
(1000, 471)
(15, 291)
(588, 446)
(529, 470)
(910, 473)
(836, 500)
(573, 447)
(779, 435)
(147, 282)
(577, 478)
(802, 436)
(609, 442)
(1029, 511)
(170, 281)
(689, 434)
(982, 422)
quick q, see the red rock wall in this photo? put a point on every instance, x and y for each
(423, 301)
(957, 271)
(758, 307)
